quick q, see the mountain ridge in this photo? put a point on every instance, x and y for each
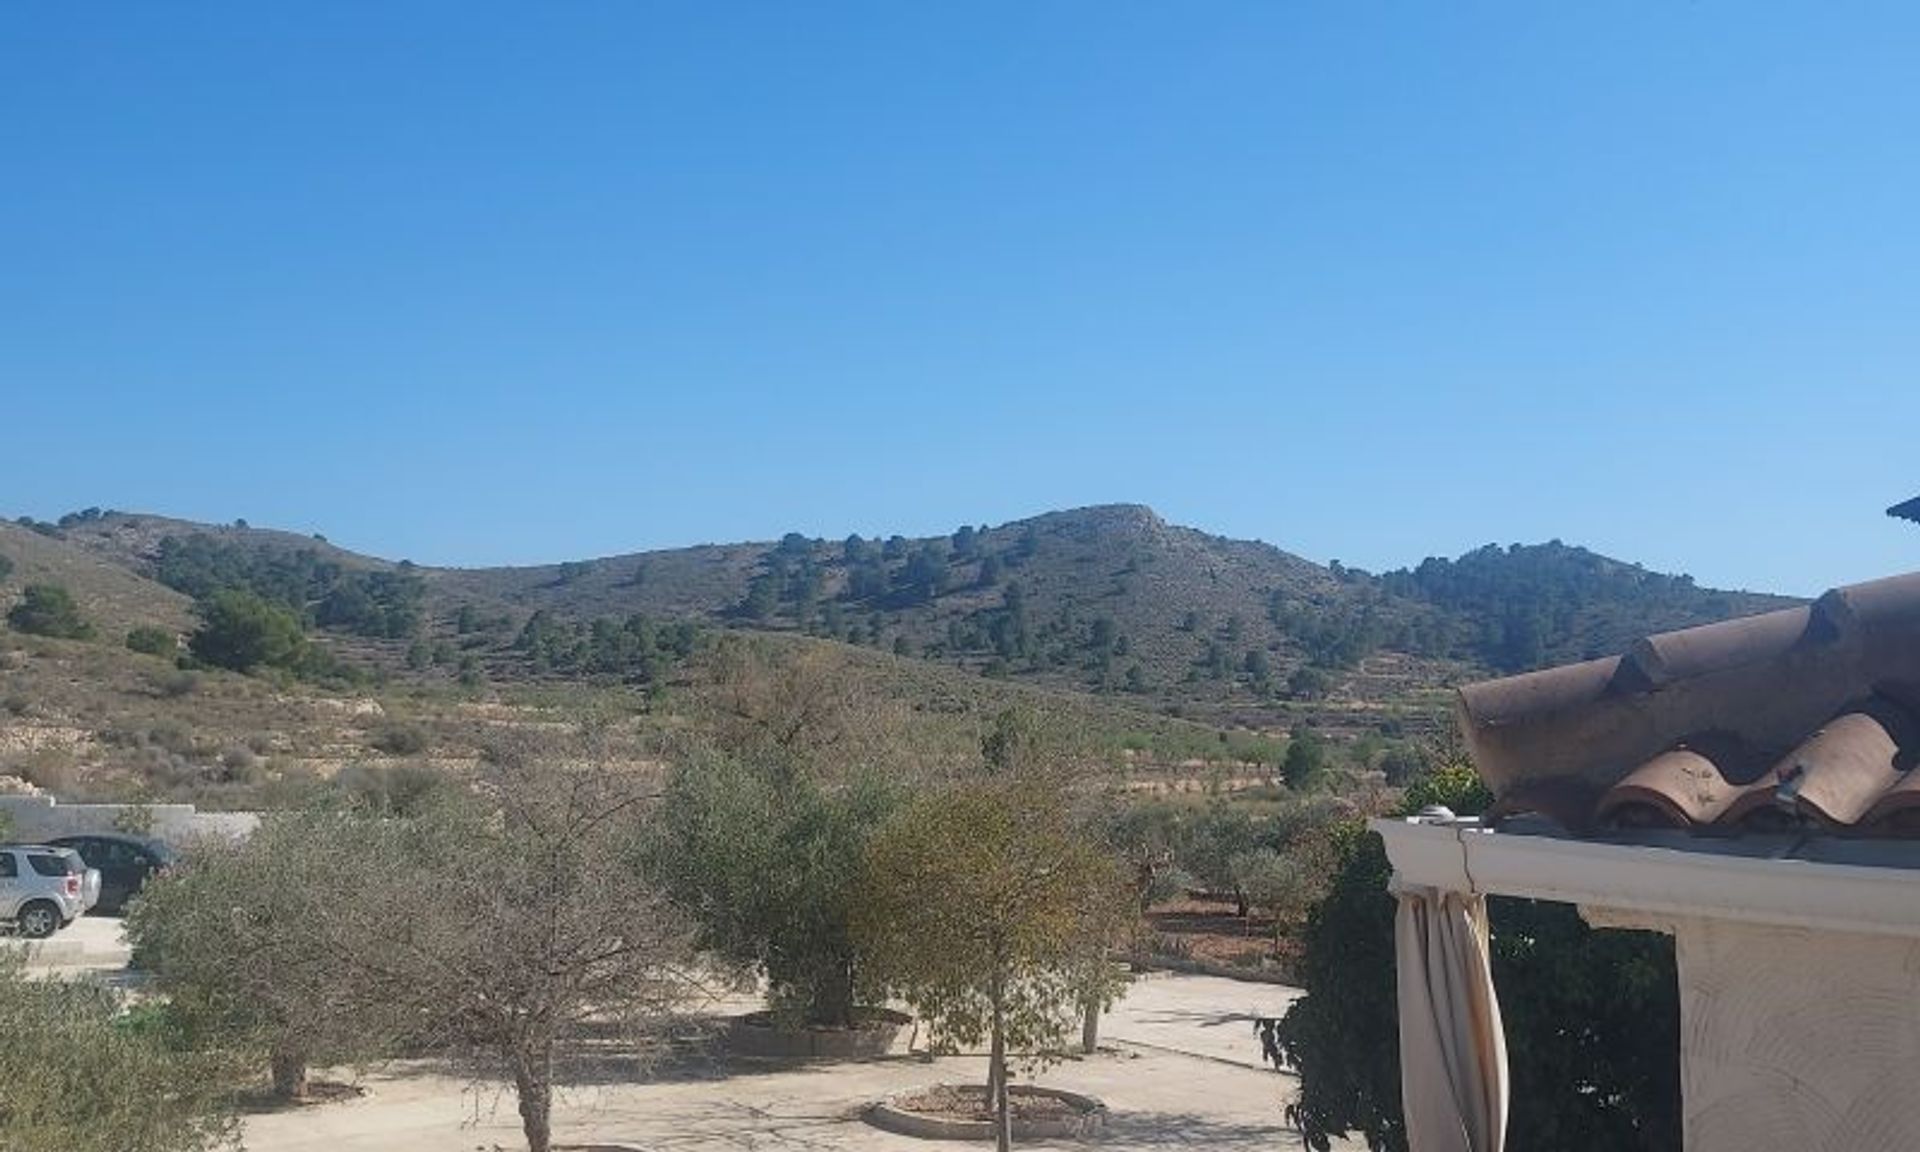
(1167, 646)
(1108, 598)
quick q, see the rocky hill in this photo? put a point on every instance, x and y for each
(1110, 609)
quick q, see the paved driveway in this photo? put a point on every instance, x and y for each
(91, 944)
(1198, 1015)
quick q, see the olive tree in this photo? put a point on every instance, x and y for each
(767, 862)
(1222, 833)
(497, 921)
(245, 939)
(78, 1075)
(988, 906)
(1271, 881)
(1146, 837)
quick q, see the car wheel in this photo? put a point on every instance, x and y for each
(38, 920)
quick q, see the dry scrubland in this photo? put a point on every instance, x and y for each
(817, 767)
(1176, 654)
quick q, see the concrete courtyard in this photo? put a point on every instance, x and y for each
(1179, 1067)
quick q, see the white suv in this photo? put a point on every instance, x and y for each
(42, 889)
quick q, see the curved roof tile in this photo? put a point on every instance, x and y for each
(1807, 717)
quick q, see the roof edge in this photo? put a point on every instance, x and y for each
(1699, 882)
(1771, 677)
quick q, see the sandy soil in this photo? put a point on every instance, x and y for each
(1179, 1067)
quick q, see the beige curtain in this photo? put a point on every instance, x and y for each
(1453, 1056)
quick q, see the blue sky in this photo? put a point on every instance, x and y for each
(476, 283)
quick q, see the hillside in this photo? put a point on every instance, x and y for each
(1115, 601)
(116, 595)
(1157, 637)
(1110, 600)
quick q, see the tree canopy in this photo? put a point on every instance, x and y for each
(989, 906)
(1525, 606)
(1306, 759)
(241, 631)
(769, 862)
(366, 602)
(246, 945)
(499, 922)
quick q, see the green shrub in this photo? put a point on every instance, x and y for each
(174, 683)
(401, 740)
(49, 610)
(402, 790)
(81, 1077)
(240, 764)
(153, 641)
(241, 631)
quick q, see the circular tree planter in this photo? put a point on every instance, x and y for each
(873, 1034)
(960, 1112)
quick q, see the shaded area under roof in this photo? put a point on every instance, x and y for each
(1807, 718)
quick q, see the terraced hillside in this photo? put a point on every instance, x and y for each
(1158, 638)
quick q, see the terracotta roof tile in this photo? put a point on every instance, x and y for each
(1677, 788)
(1806, 718)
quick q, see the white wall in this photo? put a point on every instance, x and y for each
(1797, 1040)
(42, 818)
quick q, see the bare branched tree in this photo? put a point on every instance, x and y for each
(801, 707)
(501, 919)
(520, 920)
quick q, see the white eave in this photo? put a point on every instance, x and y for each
(1701, 879)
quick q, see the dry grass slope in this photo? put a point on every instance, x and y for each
(111, 595)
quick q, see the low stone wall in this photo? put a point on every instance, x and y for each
(1277, 974)
(43, 818)
(872, 1037)
(1089, 1117)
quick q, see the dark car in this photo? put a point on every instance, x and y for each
(124, 863)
